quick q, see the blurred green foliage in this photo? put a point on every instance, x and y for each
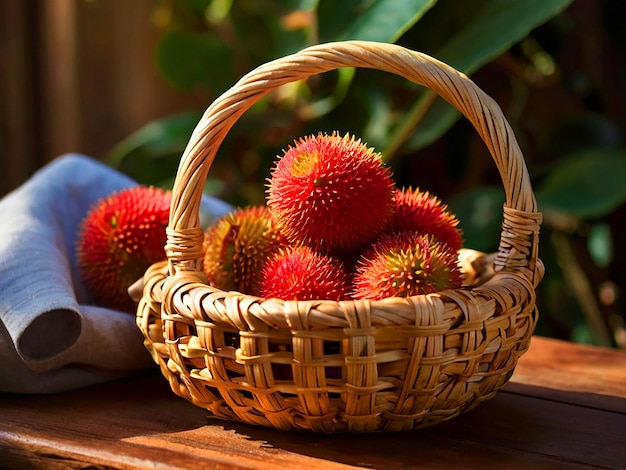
(524, 53)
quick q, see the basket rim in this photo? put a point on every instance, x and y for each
(241, 311)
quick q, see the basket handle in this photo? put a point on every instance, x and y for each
(518, 244)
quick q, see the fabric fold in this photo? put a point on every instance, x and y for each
(51, 336)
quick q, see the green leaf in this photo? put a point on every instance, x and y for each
(582, 334)
(437, 120)
(369, 20)
(587, 185)
(324, 105)
(151, 154)
(491, 32)
(189, 59)
(479, 211)
(499, 25)
(199, 7)
(600, 244)
(379, 114)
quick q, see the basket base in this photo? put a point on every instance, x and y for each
(382, 378)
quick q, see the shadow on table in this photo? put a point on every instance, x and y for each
(451, 442)
(521, 427)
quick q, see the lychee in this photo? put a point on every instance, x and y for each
(121, 236)
(300, 273)
(237, 246)
(424, 213)
(405, 264)
(332, 193)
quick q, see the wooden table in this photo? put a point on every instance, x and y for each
(565, 407)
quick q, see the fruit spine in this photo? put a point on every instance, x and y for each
(119, 238)
(340, 230)
(331, 193)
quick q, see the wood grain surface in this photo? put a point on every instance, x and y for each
(565, 407)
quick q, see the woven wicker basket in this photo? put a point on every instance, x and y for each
(349, 366)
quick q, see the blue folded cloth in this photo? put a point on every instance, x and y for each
(51, 338)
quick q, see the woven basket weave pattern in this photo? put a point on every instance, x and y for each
(349, 366)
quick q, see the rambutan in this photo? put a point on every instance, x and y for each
(405, 264)
(300, 273)
(332, 193)
(120, 237)
(237, 245)
(421, 212)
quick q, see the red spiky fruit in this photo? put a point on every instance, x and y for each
(237, 246)
(405, 264)
(332, 193)
(121, 236)
(300, 273)
(424, 213)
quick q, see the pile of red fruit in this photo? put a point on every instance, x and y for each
(335, 227)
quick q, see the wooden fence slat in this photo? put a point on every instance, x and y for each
(77, 76)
